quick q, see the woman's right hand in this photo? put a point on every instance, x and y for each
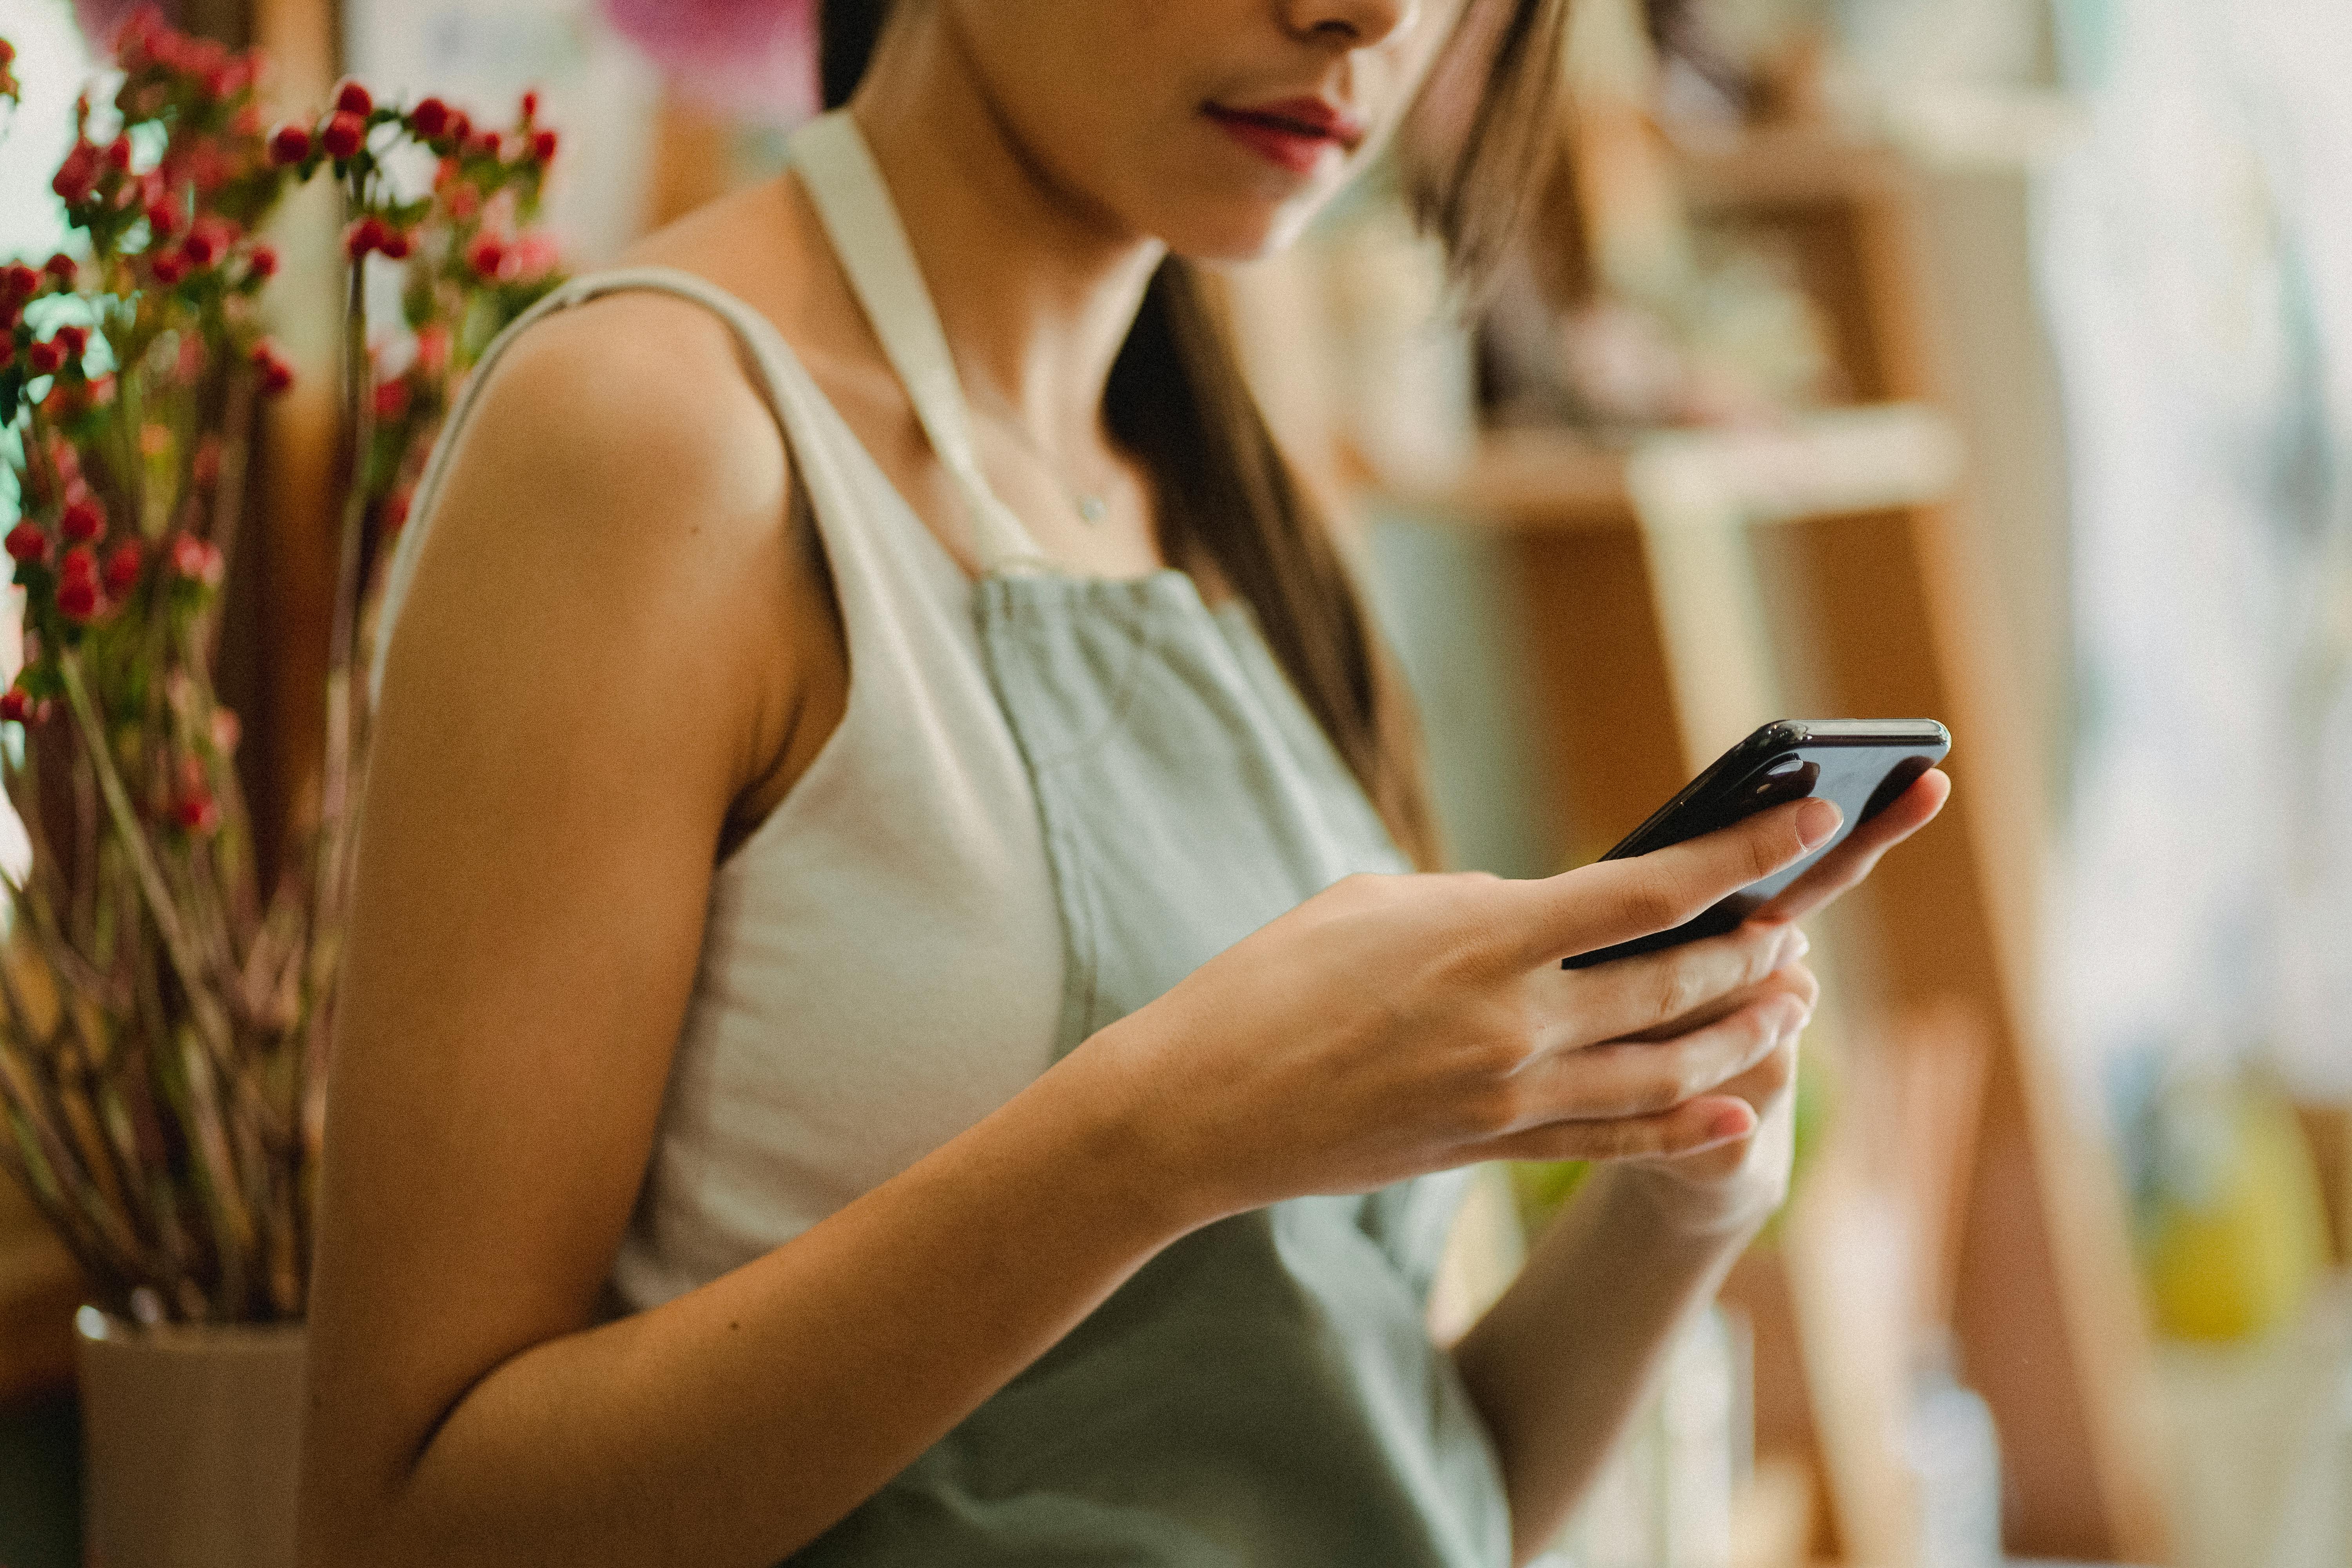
(1392, 1026)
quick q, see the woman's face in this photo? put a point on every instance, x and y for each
(1218, 127)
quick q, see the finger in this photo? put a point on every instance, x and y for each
(1699, 1124)
(1616, 901)
(1630, 996)
(1844, 868)
(1629, 1079)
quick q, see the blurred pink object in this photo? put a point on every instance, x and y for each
(101, 19)
(751, 58)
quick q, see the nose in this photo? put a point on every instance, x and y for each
(1356, 24)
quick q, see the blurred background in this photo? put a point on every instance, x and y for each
(1989, 360)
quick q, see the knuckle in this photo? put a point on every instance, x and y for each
(1676, 988)
(1654, 903)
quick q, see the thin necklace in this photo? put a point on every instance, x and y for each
(1091, 506)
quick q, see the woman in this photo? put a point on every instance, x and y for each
(860, 1040)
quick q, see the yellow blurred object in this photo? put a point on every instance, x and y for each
(2238, 1238)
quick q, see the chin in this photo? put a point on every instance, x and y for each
(1248, 234)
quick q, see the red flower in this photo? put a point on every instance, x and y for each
(77, 599)
(122, 567)
(276, 375)
(343, 135)
(353, 99)
(262, 263)
(77, 177)
(542, 146)
(28, 542)
(433, 344)
(430, 119)
(75, 341)
(391, 401)
(289, 146)
(62, 268)
(486, 256)
(83, 519)
(195, 559)
(17, 280)
(196, 813)
(45, 359)
(208, 241)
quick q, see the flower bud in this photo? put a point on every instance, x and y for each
(169, 266)
(391, 401)
(353, 99)
(542, 146)
(276, 375)
(27, 542)
(430, 119)
(15, 706)
(122, 567)
(289, 145)
(486, 256)
(195, 810)
(343, 135)
(163, 218)
(433, 344)
(77, 177)
(394, 244)
(18, 281)
(196, 559)
(82, 519)
(531, 105)
(262, 263)
(74, 341)
(46, 358)
(62, 268)
(208, 241)
(77, 599)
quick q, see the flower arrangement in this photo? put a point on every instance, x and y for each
(162, 1023)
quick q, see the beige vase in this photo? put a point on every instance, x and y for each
(191, 1435)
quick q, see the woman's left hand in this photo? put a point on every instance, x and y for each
(1739, 1182)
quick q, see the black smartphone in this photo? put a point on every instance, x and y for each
(1863, 764)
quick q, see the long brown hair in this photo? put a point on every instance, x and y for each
(1471, 152)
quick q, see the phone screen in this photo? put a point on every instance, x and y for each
(1863, 764)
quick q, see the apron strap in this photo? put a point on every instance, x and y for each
(854, 203)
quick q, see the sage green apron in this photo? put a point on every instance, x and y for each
(1263, 1392)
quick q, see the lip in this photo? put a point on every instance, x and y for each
(1292, 133)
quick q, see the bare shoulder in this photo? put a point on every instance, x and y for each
(631, 393)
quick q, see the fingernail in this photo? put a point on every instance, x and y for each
(1817, 821)
(1731, 1121)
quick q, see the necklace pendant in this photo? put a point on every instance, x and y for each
(1092, 509)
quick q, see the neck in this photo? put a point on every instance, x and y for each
(1035, 288)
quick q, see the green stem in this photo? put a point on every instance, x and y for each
(202, 1005)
